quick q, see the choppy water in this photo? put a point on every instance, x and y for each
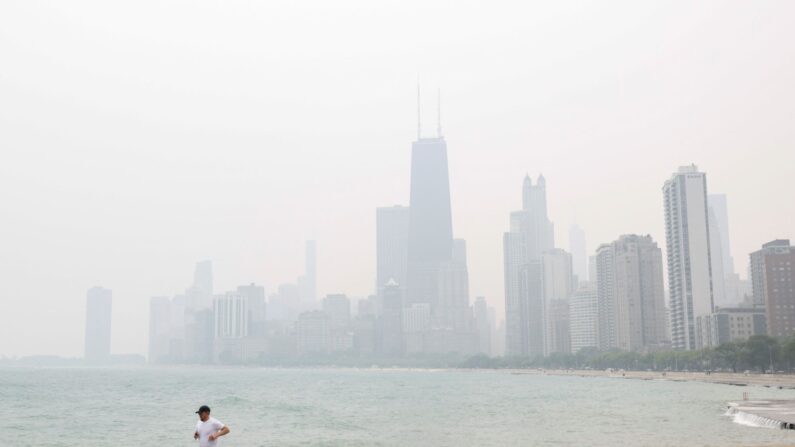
(314, 407)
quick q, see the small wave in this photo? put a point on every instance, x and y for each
(752, 420)
(233, 400)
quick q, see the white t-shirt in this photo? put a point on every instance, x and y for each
(205, 429)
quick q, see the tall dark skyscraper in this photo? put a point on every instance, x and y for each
(430, 240)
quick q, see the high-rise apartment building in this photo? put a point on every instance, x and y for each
(604, 262)
(583, 318)
(688, 252)
(631, 294)
(774, 285)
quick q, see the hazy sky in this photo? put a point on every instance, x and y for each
(138, 138)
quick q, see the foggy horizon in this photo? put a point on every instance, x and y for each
(137, 141)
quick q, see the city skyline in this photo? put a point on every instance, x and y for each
(124, 176)
(203, 275)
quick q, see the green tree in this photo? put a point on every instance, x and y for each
(728, 355)
(760, 351)
(787, 351)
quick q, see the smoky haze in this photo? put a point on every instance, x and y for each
(138, 139)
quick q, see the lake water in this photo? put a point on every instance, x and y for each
(342, 407)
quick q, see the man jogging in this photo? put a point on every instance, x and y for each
(208, 429)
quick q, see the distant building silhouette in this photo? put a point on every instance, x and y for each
(201, 294)
(99, 304)
(392, 233)
(307, 283)
(579, 253)
(255, 298)
(584, 318)
(168, 332)
(313, 331)
(483, 325)
(391, 320)
(727, 290)
(558, 287)
(531, 234)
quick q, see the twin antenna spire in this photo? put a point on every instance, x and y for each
(438, 112)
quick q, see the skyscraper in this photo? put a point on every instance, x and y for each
(231, 322)
(719, 206)
(607, 336)
(716, 261)
(733, 291)
(159, 329)
(774, 285)
(391, 320)
(583, 318)
(481, 311)
(430, 237)
(231, 315)
(201, 294)
(558, 287)
(99, 303)
(453, 310)
(534, 332)
(530, 235)
(640, 300)
(579, 253)
(313, 333)
(338, 309)
(533, 221)
(255, 296)
(392, 233)
(515, 320)
(688, 252)
(169, 337)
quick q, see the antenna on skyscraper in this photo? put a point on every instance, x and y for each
(439, 113)
(419, 125)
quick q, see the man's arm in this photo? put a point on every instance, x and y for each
(196, 434)
(223, 431)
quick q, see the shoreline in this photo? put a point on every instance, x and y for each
(780, 381)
